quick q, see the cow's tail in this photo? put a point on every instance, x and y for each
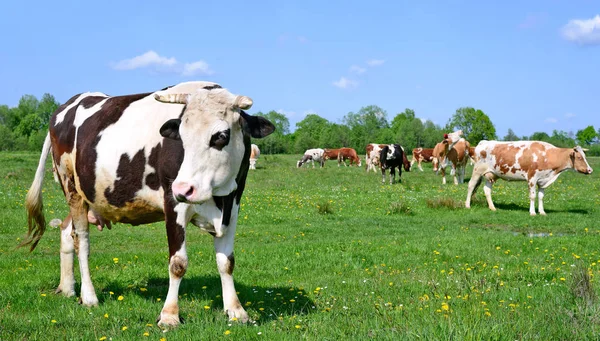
(35, 207)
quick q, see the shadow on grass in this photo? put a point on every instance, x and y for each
(516, 207)
(274, 301)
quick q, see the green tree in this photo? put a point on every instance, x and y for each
(540, 136)
(474, 123)
(561, 139)
(365, 125)
(587, 136)
(308, 132)
(511, 136)
(279, 141)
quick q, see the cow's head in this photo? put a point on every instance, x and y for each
(391, 152)
(211, 129)
(580, 163)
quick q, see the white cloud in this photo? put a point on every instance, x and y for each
(551, 120)
(583, 31)
(157, 62)
(147, 59)
(196, 68)
(357, 69)
(375, 62)
(287, 113)
(345, 83)
(570, 115)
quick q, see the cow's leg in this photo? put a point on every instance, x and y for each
(67, 255)
(392, 175)
(488, 193)
(419, 164)
(79, 213)
(473, 184)
(382, 175)
(443, 169)
(455, 174)
(531, 198)
(226, 264)
(541, 201)
(176, 220)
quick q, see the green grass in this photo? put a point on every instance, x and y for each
(326, 254)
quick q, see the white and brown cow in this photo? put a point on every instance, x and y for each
(372, 156)
(185, 160)
(341, 155)
(421, 155)
(538, 163)
(454, 151)
(312, 156)
(254, 154)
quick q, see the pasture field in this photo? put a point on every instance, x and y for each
(326, 254)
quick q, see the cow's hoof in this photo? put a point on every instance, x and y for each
(168, 321)
(467, 205)
(239, 315)
(493, 209)
(532, 214)
(542, 213)
(88, 302)
(65, 292)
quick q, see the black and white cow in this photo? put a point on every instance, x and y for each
(312, 156)
(391, 157)
(180, 155)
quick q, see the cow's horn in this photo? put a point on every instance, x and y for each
(172, 98)
(243, 102)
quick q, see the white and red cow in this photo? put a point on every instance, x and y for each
(341, 155)
(185, 160)
(392, 156)
(372, 156)
(454, 150)
(421, 155)
(254, 154)
(538, 163)
(312, 156)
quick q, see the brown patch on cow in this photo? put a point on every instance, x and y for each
(506, 157)
(130, 175)
(483, 154)
(90, 101)
(178, 266)
(63, 134)
(230, 264)
(152, 179)
(171, 309)
(88, 137)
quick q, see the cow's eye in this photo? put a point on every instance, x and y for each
(219, 139)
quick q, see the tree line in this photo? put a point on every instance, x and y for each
(24, 127)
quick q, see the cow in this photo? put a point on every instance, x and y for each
(342, 154)
(185, 159)
(254, 154)
(421, 155)
(372, 156)
(392, 157)
(538, 163)
(312, 156)
(455, 152)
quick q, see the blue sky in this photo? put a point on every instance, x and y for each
(529, 65)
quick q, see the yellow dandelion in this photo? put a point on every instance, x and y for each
(292, 300)
(102, 338)
(562, 279)
(146, 334)
(106, 315)
(234, 319)
(163, 339)
(487, 313)
(206, 307)
(53, 321)
(227, 332)
(124, 328)
(445, 306)
(158, 299)
(43, 295)
(149, 325)
(297, 326)
(143, 289)
(120, 298)
(110, 292)
(261, 309)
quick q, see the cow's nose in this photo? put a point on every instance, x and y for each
(182, 191)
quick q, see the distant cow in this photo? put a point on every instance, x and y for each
(254, 154)
(312, 156)
(341, 155)
(391, 157)
(421, 155)
(538, 163)
(372, 156)
(180, 155)
(455, 153)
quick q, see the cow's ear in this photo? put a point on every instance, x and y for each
(170, 129)
(256, 126)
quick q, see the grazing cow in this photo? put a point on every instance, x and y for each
(185, 159)
(372, 156)
(457, 153)
(254, 154)
(341, 155)
(312, 156)
(538, 163)
(392, 157)
(421, 155)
